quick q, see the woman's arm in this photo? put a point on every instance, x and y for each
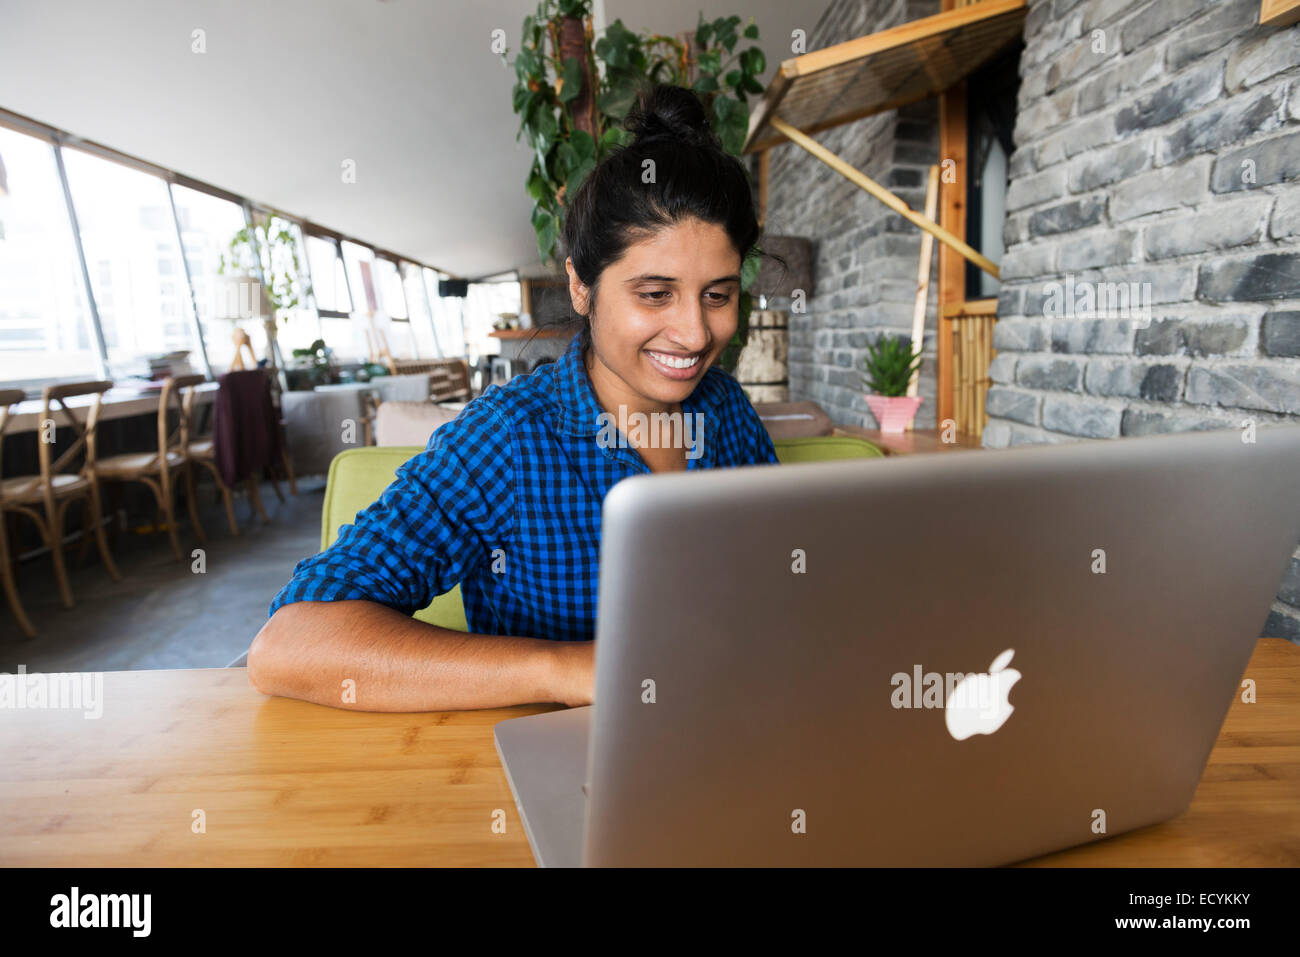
(363, 656)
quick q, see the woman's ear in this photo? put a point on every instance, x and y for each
(578, 293)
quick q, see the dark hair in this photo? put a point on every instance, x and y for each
(694, 177)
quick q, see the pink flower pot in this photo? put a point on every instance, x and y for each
(894, 413)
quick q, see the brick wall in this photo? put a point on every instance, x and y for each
(1157, 143)
(866, 255)
(1157, 157)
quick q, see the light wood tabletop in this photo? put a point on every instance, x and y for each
(286, 783)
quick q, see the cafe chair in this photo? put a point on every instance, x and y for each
(44, 498)
(199, 452)
(160, 470)
(8, 399)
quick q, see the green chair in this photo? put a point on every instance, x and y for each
(823, 448)
(359, 476)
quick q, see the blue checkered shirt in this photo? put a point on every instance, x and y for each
(506, 501)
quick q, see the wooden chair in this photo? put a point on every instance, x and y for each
(199, 451)
(57, 486)
(8, 399)
(245, 344)
(159, 470)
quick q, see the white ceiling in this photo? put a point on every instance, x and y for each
(287, 90)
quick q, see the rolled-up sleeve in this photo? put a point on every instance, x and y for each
(448, 508)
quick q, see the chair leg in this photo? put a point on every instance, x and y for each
(163, 498)
(229, 499)
(223, 495)
(10, 588)
(275, 485)
(288, 468)
(101, 540)
(54, 542)
(192, 503)
(255, 496)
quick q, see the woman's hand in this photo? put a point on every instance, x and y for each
(575, 673)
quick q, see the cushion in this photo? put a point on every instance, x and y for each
(409, 423)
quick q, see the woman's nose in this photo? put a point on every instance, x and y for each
(689, 329)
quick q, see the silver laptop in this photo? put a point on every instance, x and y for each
(960, 659)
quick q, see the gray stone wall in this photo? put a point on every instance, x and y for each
(1157, 144)
(867, 256)
(1157, 158)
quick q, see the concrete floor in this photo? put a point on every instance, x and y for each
(162, 614)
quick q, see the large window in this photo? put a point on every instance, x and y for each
(359, 261)
(329, 283)
(45, 328)
(448, 317)
(417, 303)
(395, 319)
(207, 224)
(299, 327)
(152, 284)
(136, 275)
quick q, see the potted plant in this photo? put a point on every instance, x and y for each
(890, 366)
(268, 249)
(573, 92)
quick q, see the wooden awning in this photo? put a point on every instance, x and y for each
(883, 70)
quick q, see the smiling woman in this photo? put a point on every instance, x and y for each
(506, 500)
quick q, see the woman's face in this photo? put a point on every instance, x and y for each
(665, 312)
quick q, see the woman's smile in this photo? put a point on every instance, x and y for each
(679, 366)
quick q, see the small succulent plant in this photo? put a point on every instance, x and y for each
(890, 365)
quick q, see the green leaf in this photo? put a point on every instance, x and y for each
(572, 79)
(576, 178)
(584, 144)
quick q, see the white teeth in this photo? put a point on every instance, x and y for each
(675, 361)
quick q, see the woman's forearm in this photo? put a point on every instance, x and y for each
(363, 656)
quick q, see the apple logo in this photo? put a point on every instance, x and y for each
(978, 703)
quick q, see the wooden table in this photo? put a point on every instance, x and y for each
(283, 782)
(912, 441)
(119, 402)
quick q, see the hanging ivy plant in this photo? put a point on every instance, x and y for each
(572, 95)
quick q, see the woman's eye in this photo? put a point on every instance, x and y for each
(655, 296)
(720, 298)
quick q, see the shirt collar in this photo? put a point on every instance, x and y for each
(580, 411)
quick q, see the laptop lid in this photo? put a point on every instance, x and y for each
(776, 647)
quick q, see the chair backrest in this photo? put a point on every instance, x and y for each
(824, 448)
(358, 477)
(8, 399)
(408, 423)
(53, 399)
(177, 396)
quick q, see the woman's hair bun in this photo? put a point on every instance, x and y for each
(670, 112)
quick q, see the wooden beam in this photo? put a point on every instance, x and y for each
(1279, 13)
(952, 216)
(975, 307)
(885, 196)
(923, 279)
